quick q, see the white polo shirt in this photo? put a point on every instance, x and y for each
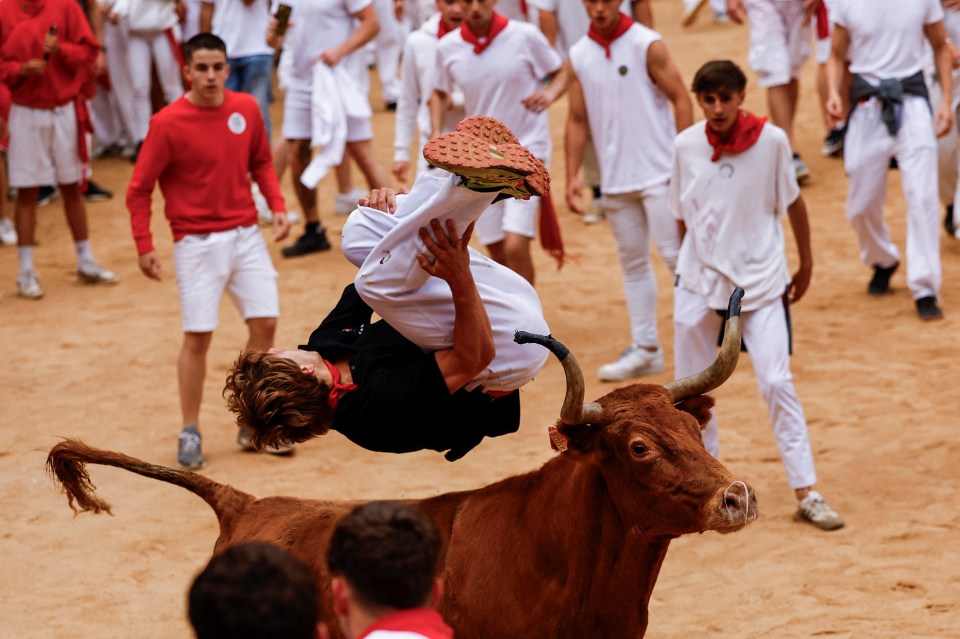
(732, 210)
(630, 119)
(496, 81)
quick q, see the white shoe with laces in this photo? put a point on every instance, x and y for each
(90, 272)
(8, 234)
(634, 361)
(594, 214)
(815, 510)
(28, 285)
(345, 203)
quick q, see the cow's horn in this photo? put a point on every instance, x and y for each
(574, 410)
(722, 367)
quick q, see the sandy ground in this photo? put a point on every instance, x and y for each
(878, 386)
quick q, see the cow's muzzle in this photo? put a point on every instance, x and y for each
(739, 506)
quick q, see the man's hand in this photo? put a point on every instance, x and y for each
(536, 102)
(944, 119)
(150, 265)
(331, 57)
(400, 170)
(382, 199)
(35, 66)
(51, 45)
(575, 195)
(281, 226)
(800, 283)
(451, 260)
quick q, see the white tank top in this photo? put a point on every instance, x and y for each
(630, 119)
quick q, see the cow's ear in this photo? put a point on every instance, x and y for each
(699, 407)
(579, 438)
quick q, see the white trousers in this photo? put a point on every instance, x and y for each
(419, 306)
(868, 148)
(386, 50)
(696, 327)
(116, 38)
(143, 48)
(635, 218)
(779, 41)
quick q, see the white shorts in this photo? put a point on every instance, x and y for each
(43, 146)
(779, 41)
(510, 215)
(236, 260)
(297, 107)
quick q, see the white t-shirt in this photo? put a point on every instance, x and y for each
(496, 81)
(732, 210)
(417, 73)
(243, 27)
(630, 119)
(317, 25)
(572, 20)
(886, 36)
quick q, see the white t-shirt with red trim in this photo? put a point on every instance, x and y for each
(886, 36)
(731, 209)
(417, 623)
(496, 81)
(630, 119)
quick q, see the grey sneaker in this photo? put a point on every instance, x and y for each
(92, 273)
(815, 510)
(594, 214)
(800, 168)
(245, 441)
(8, 234)
(634, 361)
(189, 455)
(28, 285)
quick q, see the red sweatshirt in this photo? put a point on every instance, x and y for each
(202, 158)
(416, 622)
(22, 33)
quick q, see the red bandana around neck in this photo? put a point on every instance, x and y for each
(625, 23)
(498, 24)
(746, 130)
(338, 388)
(443, 29)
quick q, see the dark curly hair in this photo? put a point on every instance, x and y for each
(271, 396)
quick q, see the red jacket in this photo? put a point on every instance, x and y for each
(22, 33)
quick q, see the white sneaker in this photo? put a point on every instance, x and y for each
(28, 285)
(90, 272)
(635, 361)
(245, 441)
(800, 168)
(815, 510)
(345, 203)
(8, 234)
(594, 214)
(690, 12)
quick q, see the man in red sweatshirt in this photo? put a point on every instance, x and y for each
(46, 57)
(202, 149)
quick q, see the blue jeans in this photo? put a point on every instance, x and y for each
(253, 74)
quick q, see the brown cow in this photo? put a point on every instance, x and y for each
(572, 549)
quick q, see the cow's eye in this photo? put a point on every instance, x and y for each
(637, 448)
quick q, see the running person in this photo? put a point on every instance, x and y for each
(499, 64)
(732, 177)
(202, 150)
(624, 84)
(440, 371)
(891, 117)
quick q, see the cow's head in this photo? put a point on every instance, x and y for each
(645, 440)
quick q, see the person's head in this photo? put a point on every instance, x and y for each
(383, 557)
(604, 14)
(720, 87)
(206, 69)
(451, 12)
(254, 591)
(281, 396)
(478, 14)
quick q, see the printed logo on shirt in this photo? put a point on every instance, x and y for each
(236, 123)
(726, 170)
(622, 70)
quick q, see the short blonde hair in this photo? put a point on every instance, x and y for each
(272, 397)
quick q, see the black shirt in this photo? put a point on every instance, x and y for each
(402, 403)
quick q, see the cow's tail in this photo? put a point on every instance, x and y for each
(67, 461)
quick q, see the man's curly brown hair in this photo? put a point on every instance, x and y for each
(271, 396)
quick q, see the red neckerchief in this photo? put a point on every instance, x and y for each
(336, 387)
(823, 22)
(746, 130)
(443, 29)
(625, 23)
(498, 24)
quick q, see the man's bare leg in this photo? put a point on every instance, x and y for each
(191, 371)
(262, 332)
(513, 251)
(782, 103)
(314, 238)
